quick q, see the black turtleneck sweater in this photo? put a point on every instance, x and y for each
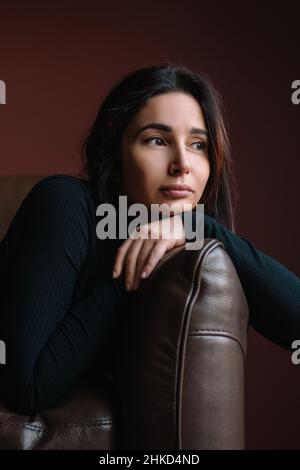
(60, 305)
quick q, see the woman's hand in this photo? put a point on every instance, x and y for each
(141, 252)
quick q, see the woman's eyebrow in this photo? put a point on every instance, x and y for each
(164, 127)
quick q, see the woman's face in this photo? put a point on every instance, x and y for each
(165, 145)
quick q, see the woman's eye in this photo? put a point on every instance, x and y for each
(154, 138)
(202, 145)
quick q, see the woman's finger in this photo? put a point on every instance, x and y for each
(130, 262)
(155, 255)
(120, 257)
(143, 255)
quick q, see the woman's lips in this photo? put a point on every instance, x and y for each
(176, 193)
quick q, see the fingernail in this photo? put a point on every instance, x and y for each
(114, 274)
(144, 274)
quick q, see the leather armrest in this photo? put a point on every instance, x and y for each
(180, 374)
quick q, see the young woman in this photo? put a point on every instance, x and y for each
(159, 137)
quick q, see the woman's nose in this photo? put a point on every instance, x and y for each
(179, 164)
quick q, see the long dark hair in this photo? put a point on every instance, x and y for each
(100, 151)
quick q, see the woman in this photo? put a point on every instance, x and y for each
(62, 286)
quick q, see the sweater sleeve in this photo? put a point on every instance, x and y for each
(271, 289)
(49, 340)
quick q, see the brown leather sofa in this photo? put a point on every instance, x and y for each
(178, 376)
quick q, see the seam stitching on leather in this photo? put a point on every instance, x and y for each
(190, 300)
(211, 329)
(228, 335)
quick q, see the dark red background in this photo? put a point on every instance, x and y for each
(59, 59)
